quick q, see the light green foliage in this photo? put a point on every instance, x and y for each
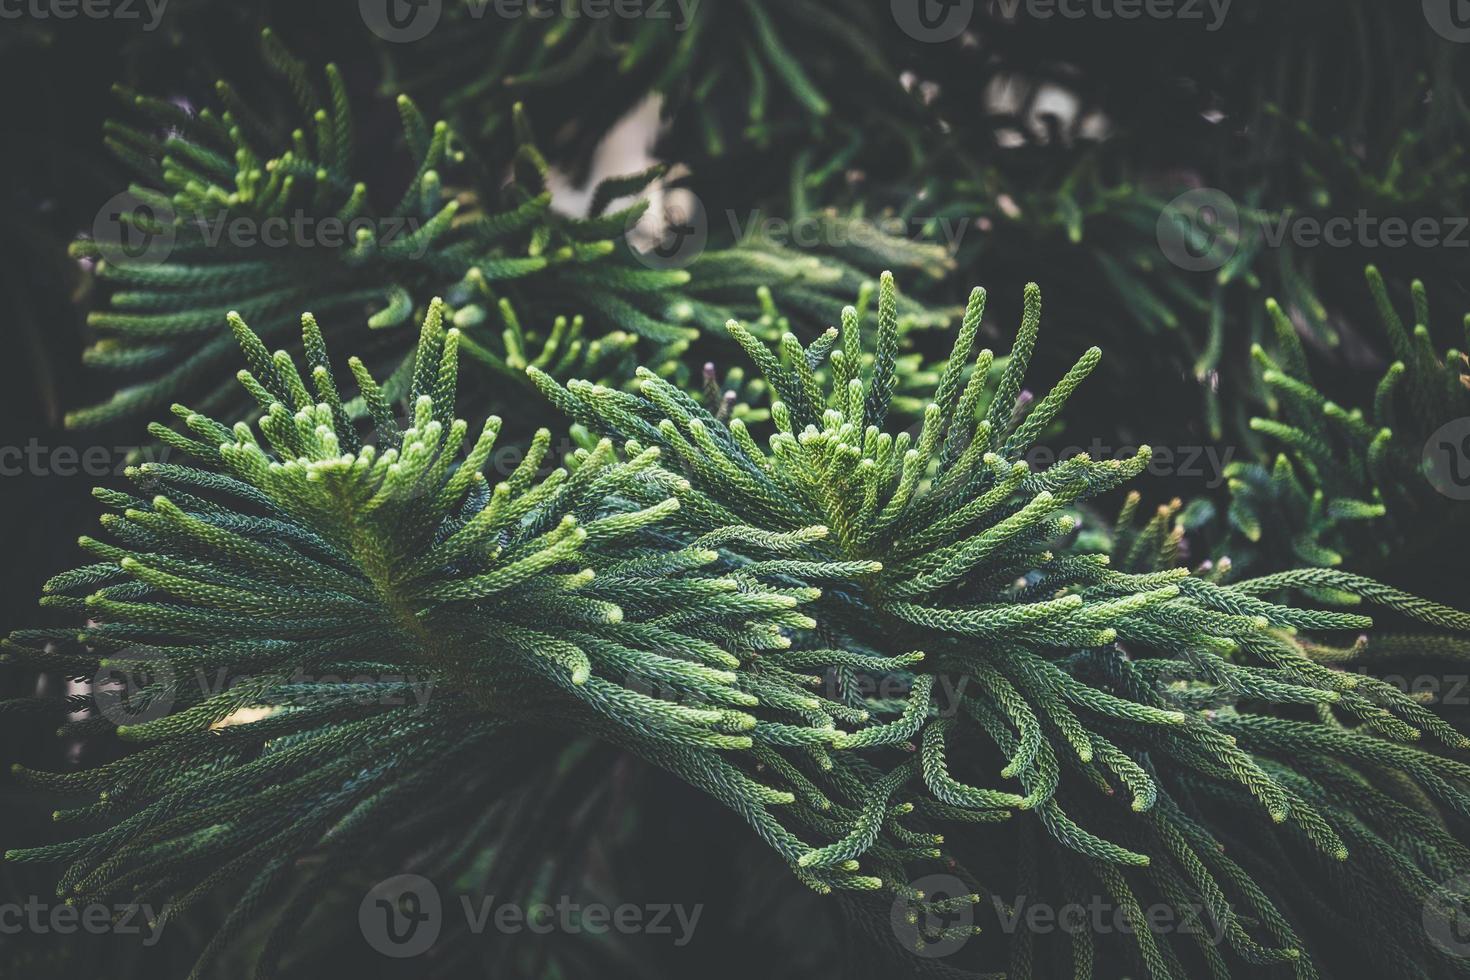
(1078, 678)
(295, 556)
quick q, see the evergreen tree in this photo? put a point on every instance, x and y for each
(621, 556)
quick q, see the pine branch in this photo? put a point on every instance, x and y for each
(237, 216)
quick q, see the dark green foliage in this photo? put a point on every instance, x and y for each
(717, 617)
(528, 284)
(824, 582)
(1351, 479)
(733, 77)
